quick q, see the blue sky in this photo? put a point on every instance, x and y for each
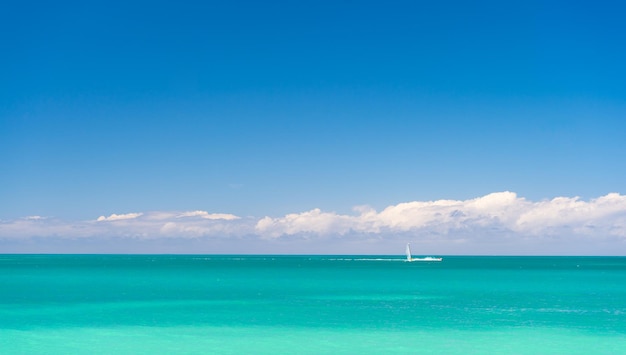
(270, 109)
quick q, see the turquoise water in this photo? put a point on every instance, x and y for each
(85, 304)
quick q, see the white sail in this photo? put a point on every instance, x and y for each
(410, 258)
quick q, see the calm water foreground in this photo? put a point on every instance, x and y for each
(162, 304)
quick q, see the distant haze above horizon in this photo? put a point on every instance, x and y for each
(496, 224)
(326, 127)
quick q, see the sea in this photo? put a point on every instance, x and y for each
(308, 304)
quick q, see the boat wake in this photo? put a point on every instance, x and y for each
(365, 259)
(410, 259)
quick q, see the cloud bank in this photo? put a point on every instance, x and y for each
(497, 222)
(501, 211)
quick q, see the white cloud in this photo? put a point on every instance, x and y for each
(207, 215)
(606, 214)
(498, 221)
(118, 217)
(502, 211)
(312, 222)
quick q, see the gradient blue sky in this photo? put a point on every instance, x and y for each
(269, 108)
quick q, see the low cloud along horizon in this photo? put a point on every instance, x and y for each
(497, 223)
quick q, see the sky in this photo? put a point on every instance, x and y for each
(333, 127)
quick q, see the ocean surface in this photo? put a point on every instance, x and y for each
(210, 304)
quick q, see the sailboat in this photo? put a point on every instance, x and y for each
(409, 258)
